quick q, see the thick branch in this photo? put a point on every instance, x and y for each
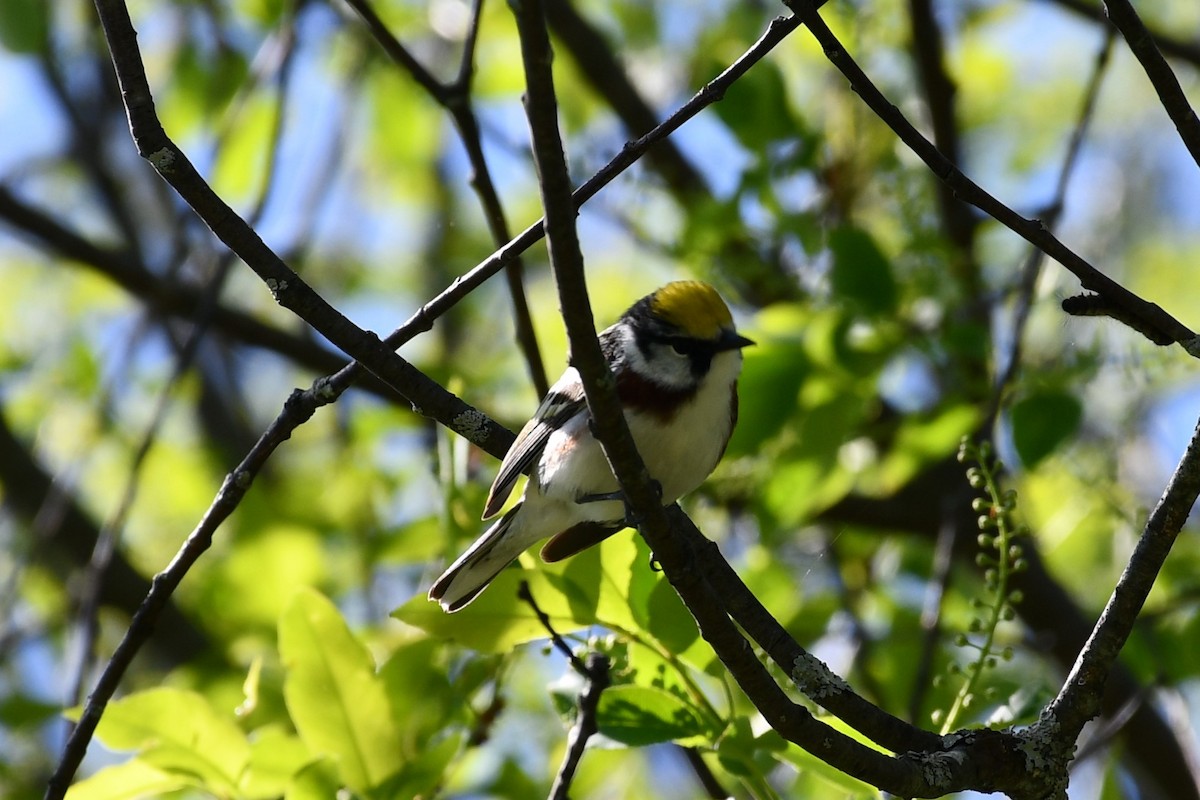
(903, 776)
(291, 292)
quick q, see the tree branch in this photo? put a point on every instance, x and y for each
(1078, 701)
(958, 220)
(595, 671)
(1175, 48)
(455, 99)
(1151, 318)
(904, 775)
(1170, 93)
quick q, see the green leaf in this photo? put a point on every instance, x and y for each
(861, 274)
(335, 699)
(25, 25)
(421, 775)
(848, 786)
(276, 757)
(757, 110)
(767, 393)
(590, 588)
(317, 780)
(129, 781)
(1043, 421)
(178, 732)
(655, 605)
(19, 710)
(419, 691)
(643, 715)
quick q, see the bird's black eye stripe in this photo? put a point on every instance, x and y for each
(684, 347)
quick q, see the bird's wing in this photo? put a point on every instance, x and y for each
(563, 401)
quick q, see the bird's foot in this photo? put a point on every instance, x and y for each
(631, 518)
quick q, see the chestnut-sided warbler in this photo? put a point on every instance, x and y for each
(676, 358)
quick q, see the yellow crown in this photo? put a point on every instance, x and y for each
(692, 306)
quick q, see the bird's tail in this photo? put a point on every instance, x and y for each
(475, 569)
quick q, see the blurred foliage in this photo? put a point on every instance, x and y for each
(320, 665)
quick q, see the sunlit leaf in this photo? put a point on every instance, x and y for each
(276, 756)
(180, 733)
(419, 691)
(335, 698)
(642, 715)
(497, 620)
(132, 780)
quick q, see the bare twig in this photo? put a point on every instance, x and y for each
(899, 775)
(1032, 268)
(595, 671)
(1150, 316)
(455, 98)
(1169, 45)
(1170, 93)
(1078, 701)
(596, 680)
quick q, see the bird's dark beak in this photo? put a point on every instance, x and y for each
(732, 340)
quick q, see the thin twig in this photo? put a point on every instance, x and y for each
(455, 99)
(1149, 316)
(1032, 269)
(525, 595)
(1174, 47)
(1170, 93)
(596, 680)
(1078, 701)
(595, 671)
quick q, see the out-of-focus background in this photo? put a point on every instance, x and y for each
(139, 361)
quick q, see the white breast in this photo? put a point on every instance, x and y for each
(679, 456)
(683, 453)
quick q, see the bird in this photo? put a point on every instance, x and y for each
(676, 357)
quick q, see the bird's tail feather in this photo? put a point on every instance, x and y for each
(475, 569)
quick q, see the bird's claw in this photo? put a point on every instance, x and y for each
(631, 518)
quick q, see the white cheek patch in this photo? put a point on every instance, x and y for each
(668, 368)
